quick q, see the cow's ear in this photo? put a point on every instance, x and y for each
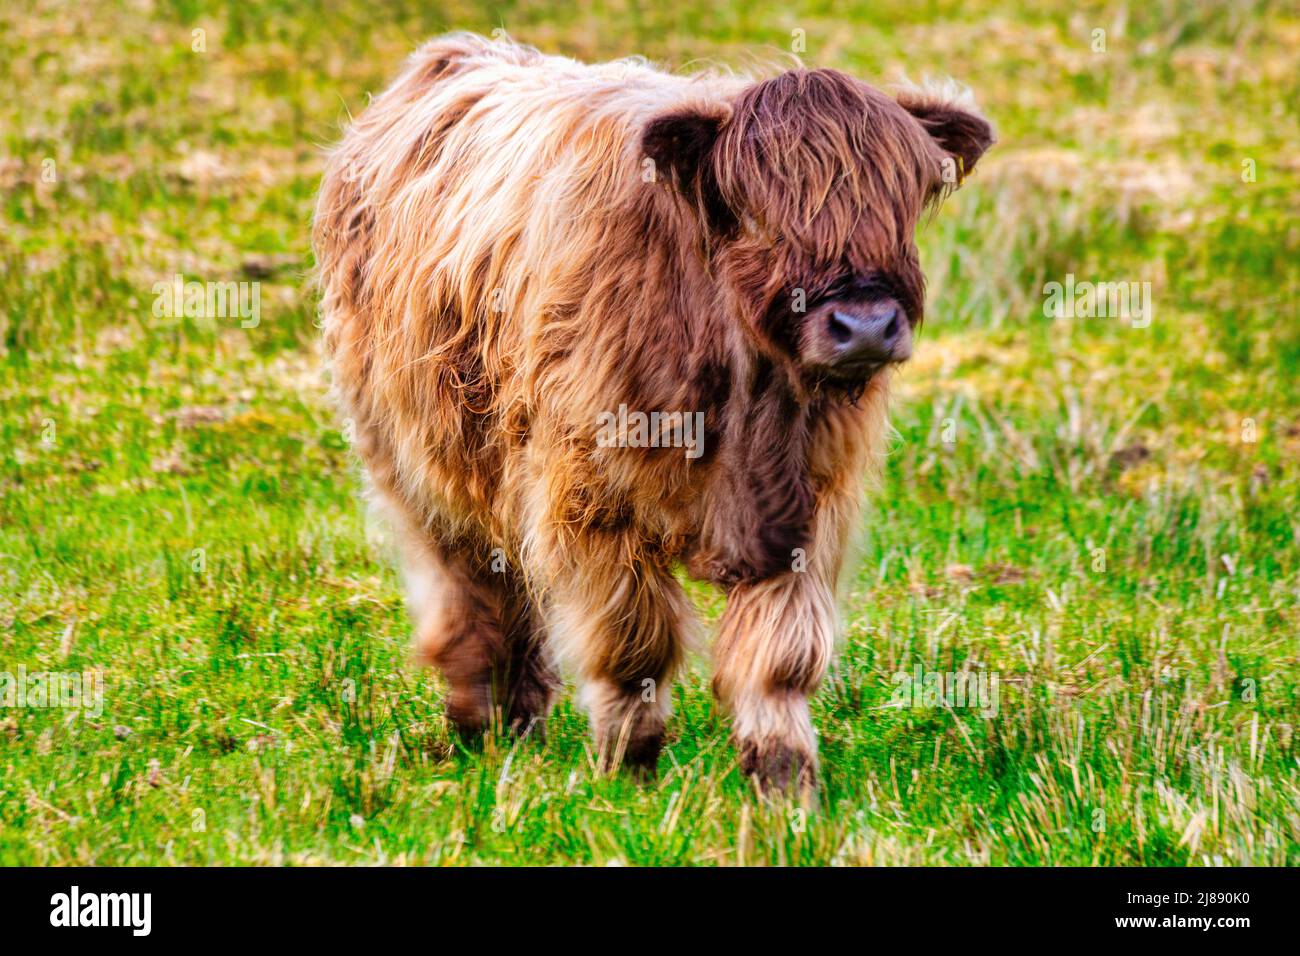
(950, 117)
(679, 147)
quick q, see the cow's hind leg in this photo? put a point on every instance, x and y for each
(527, 681)
(475, 623)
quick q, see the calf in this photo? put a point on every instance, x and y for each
(591, 323)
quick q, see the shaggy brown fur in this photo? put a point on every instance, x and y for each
(510, 246)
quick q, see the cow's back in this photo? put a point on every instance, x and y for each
(460, 225)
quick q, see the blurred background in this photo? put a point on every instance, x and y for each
(1099, 510)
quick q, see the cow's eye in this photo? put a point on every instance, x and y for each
(873, 286)
(833, 289)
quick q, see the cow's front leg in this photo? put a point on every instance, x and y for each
(778, 633)
(620, 619)
(775, 644)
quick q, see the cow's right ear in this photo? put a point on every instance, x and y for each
(947, 112)
(680, 147)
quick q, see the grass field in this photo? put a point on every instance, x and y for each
(1100, 513)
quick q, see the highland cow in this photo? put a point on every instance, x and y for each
(512, 247)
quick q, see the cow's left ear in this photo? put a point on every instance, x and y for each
(681, 144)
(949, 116)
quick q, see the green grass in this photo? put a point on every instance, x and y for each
(1077, 506)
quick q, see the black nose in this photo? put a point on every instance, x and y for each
(873, 334)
